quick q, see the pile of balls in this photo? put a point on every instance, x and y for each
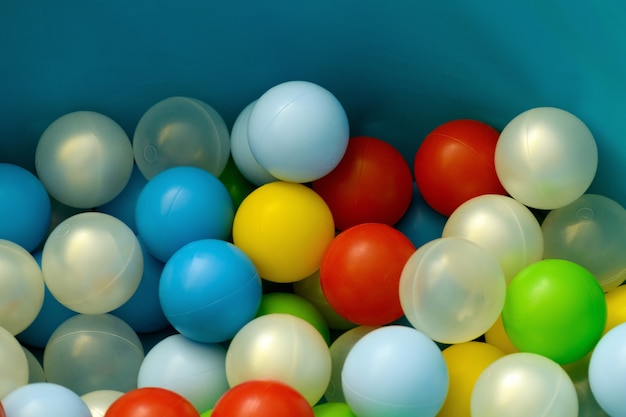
(285, 268)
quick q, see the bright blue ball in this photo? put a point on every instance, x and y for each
(209, 289)
(24, 207)
(181, 205)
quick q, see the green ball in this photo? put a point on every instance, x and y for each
(207, 413)
(555, 308)
(333, 409)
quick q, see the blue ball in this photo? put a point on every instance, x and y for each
(607, 371)
(44, 399)
(181, 205)
(209, 289)
(25, 207)
(123, 206)
(395, 371)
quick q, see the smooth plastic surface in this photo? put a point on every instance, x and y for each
(99, 401)
(44, 399)
(333, 409)
(150, 401)
(606, 371)
(13, 363)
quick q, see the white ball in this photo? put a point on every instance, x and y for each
(13, 364)
(99, 401)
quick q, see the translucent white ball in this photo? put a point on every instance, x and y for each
(99, 401)
(13, 364)
(546, 158)
(84, 159)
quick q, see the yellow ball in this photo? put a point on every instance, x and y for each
(285, 229)
(465, 361)
(497, 337)
(615, 307)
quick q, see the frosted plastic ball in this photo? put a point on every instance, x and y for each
(181, 205)
(13, 363)
(503, 226)
(98, 251)
(181, 131)
(84, 159)
(591, 232)
(241, 152)
(283, 348)
(607, 371)
(44, 399)
(90, 352)
(298, 131)
(197, 371)
(395, 371)
(524, 384)
(452, 289)
(100, 400)
(546, 158)
(21, 287)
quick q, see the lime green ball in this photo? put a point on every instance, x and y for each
(333, 409)
(287, 303)
(207, 413)
(555, 308)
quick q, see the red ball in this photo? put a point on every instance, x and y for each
(372, 183)
(149, 402)
(360, 273)
(455, 163)
(262, 398)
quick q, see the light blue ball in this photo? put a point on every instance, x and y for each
(44, 399)
(395, 371)
(181, 205)
(25, 209)
(607, 371)
(209, 289)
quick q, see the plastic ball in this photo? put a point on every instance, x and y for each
(100, 252)
(503, 226)
(452, 290)
(93, 352)
(123, 205)
(421, 223)
(84, 159)
(283, 348)
(181, 205)
(298, 131)
(236, 184)
(333, 409)
(35, 369)
(13, 363)
(194, 370)
(579, 374)
(615, 307)
(26, 207)
(285, 228)
(360, 273)
(181, 131)
(371, 184)
(591, 221)
(262, 398)
(395, 371)
(209, 289)
(546, 158)
(44, 399)
(465, 362)
(241, 152)
(99, 401)
(151, 401)
(555, 308)
(607, 368)
(22, 287)
(455, 162)
(524, 384)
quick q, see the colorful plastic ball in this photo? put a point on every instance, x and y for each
(236, 184)
(181, 205)
(25, 210)
(151, 401)
(13, 363)
(283, 348)
(607, 369)
(452, 290)
(241, 152)
(592, 221)
(262, 398)
(99, 401)
(555, 308)
(100, 252)
(503, 226)
(333, 409)
(524, 384)
(372, 183)
(421, 223)
(298, 131)
(181, 131)
(194, 370)
(360, 273)
(44, 399)
(395, 371)
(84, 159)
(465, 362)
(209, 289)
(22, 293)
(288, 303)
(123, 205)
(285, 229)
(546, 158)
(455, 163)
(615, 307)
(90, 352)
